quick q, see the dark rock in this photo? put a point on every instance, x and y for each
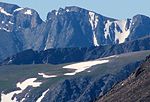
(66, 55)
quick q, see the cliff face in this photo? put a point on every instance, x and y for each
(134, 89)
(22, 29)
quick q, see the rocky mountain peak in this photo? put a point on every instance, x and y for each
(67, 27)
(8, 7)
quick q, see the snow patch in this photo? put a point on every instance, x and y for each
(5, 29)
(89, 71)
(67, 10)
(4, 12)
(7, 97)
(56, 13)
(3, 22)
(47, 76)
(10, 22)
(28, 12)
(28, 82)
(106, 29)
(95, 40)
(18, 9)
(22, 86)
(113, 56)
(93, 19)
(22, 99)
(45, 48)
(82, 66)
(40, 99)
(121, 36)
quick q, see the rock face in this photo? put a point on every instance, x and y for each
(140, 27)
(134, 89)
(67, 55)
(22, 28)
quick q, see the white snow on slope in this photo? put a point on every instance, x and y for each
(93, 19)
(6, 29)
(45, 48)
(28, 12)
(106, 29)
(18, 9)
(4, 12)
(56, 13)
(121, 36)
(22, 86)
(10, 22)
(95, 40)
(82, 66)
(47, 76)
(7, 97)
(67, 10)
(28, 82)
(125, 33)
(3, 22)
(110, 57)
(39, 99)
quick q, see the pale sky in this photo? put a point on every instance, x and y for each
(119, 9)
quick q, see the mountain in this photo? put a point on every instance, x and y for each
(134, 89)
(68, 82)
(19, 28)
(75, 55)
(22, 29)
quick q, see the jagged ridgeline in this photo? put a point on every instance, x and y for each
(75, 55)
(22, 28)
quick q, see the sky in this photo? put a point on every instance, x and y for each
(119, 9)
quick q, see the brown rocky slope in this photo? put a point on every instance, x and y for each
(134, 89)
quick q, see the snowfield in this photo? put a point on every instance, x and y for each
(22, 85)
(47, 76)
(28, 82)
(7, 97)
(82, 66)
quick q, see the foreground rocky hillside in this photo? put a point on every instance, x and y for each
(71, 82)
(134, 89)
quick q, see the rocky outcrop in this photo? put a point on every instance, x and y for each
(134, 89)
